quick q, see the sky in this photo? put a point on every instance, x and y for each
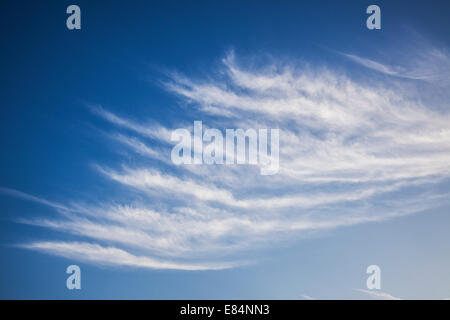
(86, 176)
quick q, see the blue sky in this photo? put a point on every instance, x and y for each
(85, 171)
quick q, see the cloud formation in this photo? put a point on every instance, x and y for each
(378, 295)
(431, 65)
(95, 253)
(350, 153)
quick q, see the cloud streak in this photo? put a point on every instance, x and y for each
(431, 65)
(378, 295)
(94, 253)
(350, 153)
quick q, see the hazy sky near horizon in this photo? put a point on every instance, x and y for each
(86, 176)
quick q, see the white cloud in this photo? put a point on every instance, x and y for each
(373, 65)
(94, 253)
(150, 130)
(350, 153)
(431, 65)
(375, 294)
(29, 197)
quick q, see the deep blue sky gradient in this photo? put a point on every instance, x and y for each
(49, 139)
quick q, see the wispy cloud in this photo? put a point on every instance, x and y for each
(25, 196)
(306, 297)
(431, 65)
(350, 153)
(150, 130)
(97, 254)
(374, 65)
(375, 294)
